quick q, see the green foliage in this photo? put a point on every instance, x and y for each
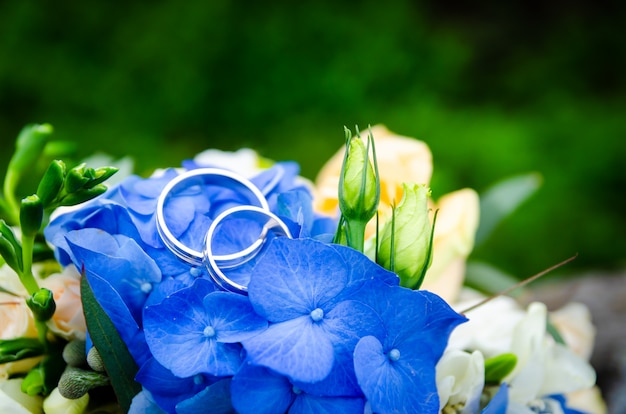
(495, 89)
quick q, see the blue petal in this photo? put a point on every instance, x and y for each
(362, 269)
(391, 387)
(120, 315)
(341, 382)
(349, 321)
(297, 206)
(216, 397)
(298, 348)
(499, 403)
(143, 404)
(257, 390)
(311, 404)
(232, 317)
(293, 277)
(165, 388)
(174, 331)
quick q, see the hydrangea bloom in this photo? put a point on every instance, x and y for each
(323, 328)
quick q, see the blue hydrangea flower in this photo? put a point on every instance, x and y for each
(397, 371)
(300, 287)
(258, 390)
(197, 330)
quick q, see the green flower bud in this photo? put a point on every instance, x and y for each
(75, 382)
(31, 215)
(82, 195)
(29, 145)
(75, 179)
(51, 183)
(100, 175)
(15, 349)
(11, 252)
(498, 367)
(35, 381)
(409, 233)
(359, 190)
(42, 304)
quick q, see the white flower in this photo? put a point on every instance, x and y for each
(14, 401)
(460, 380)
(55, 403)
(244, 161)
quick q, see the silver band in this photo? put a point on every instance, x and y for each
(214, 176)
(271, 224)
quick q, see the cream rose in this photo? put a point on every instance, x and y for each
(403, 159)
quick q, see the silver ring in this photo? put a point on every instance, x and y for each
(272, 224)
(217, 176)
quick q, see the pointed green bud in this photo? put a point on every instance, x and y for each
(52, 182)
(29, 145)
(100, 175)
(406, 249)
(359, 190)
(9, 254)
(15, 349)
(498, 367)
(75, 179)
(31, 215)
(42, 304)
(75, 382)
(83, 195)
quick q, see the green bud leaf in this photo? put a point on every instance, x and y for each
(15, 349)
(31, 215)
(498, 367)
(45, 376)
(82, 195)
(359, 191)
(29, 145)
(75, 179)
(42, 304)
(100, 175)
(51, 183)
(410, 237)
(10, 255)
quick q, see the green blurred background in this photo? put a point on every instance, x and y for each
(495, 88)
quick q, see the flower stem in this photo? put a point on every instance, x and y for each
(27, 278)
(355, 232)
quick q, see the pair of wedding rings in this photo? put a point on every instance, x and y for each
(242, 219)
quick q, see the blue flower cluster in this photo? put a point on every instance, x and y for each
(322, 330)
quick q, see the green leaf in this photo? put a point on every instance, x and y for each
(19, 348)
(499, 201)
(498, 367)
(119, 364)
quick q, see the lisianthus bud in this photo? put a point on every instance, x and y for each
(75, 179)
(359, 191)
(31, 215)
(410, 231)
(51, 182)
(42, 304)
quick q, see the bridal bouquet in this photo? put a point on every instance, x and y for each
(232, 284)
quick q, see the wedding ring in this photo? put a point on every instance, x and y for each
(268, 226)
(209, 176)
